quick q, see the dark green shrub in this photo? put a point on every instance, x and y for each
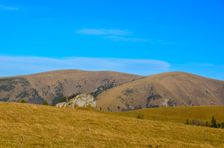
(45, 102)
(23, 101)
(213, 122)
(140, 116)
(64, 99)
(118, 107)
(187, 121)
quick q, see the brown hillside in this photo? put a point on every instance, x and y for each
(167, 89)
(52, 86)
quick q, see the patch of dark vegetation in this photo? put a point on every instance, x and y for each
(35, 97)
(73, 96)
(153, 95)
(59, 93)
(118, 107)
(107, 85)
(63, 99)
(22, 101)
(172, 103)
(140, 116)
(45, 102)
(66, 99)
(213, 123)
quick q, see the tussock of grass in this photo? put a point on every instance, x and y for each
(24, 125)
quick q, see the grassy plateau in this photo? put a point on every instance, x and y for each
(25, 125)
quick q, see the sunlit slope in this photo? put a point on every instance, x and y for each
(179, 114)
(166, 89)
(54, 85)
(23, 125)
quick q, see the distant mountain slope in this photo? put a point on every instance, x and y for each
(52, 86)
(167, 89)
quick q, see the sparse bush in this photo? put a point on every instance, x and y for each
(187, 121)
(207, 124)
(118, 107)
(45, 102)
(72, 96)
(64, 99)
(23, 101)
(140, 116)
(213, 122)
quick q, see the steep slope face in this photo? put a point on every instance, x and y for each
(52, 86)
(168, 89)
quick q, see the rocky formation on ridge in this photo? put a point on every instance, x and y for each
(82, 100)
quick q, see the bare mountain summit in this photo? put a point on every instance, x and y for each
(167, 89)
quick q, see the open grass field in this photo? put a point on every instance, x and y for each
(179, 114)
(25, 125)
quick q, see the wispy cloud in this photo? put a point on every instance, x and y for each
(117, 35)
(104, 32)
(8, 8)
(11, 65)
(126, 39)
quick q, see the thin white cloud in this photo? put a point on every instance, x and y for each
(103, 32)
(8, 8)
(119, 35)
(126, 39)
(11, 65)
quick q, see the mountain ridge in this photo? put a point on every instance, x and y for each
(115, 91)
(54, 85)
(166, 89)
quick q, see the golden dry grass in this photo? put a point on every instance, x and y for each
(179, 114)
(24, 125)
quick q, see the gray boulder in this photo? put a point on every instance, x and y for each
(82, 100)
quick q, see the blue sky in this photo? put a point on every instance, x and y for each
(142, 37)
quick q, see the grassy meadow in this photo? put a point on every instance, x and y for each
(25, 125)
(179, 114)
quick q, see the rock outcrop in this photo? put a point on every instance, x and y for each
(82, 100)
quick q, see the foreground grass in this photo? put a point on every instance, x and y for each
(23, 125)
(179, 114)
